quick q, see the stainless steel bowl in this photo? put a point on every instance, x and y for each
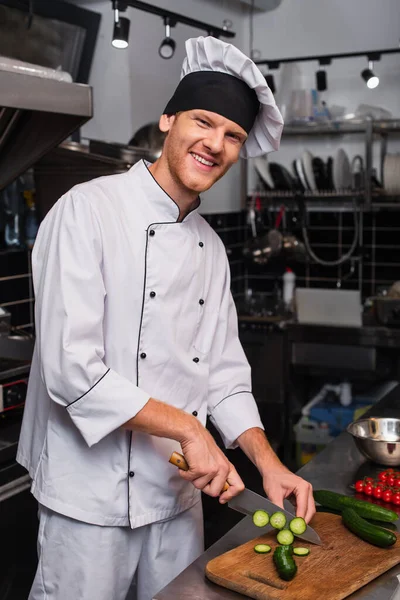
(378, 439)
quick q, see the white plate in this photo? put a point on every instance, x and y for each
(342, 178)
(300, 172)
(306, 160)
(262, 168)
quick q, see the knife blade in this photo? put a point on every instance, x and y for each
(247, 502)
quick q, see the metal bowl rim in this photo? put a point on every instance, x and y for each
(359, 421)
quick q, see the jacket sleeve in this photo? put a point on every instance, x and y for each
(231, 405)
(69, 309)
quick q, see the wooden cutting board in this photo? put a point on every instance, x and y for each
(333, 571)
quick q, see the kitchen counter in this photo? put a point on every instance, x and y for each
(337, 466)
(367, 335)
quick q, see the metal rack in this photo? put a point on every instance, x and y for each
(367, 199)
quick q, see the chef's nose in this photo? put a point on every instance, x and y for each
(214, 141)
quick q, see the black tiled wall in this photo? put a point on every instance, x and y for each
(231, 229)
(331, 234)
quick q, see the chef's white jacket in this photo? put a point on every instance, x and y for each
(130, 305)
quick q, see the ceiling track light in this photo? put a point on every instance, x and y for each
(369, 76)
(168, 45)
(120, 37)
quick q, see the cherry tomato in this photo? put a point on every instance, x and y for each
(359, 485)
(390, 480)
(368, 480)
(396, 499)
(387, 496)
(397, 482)
(377, 491)
(368, 489)
(382, 476)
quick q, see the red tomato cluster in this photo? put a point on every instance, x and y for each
(386, 487)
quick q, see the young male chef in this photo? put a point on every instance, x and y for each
(137, 343)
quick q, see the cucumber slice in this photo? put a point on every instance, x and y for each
(278, 520)
(301, 551)
(297, 525)
(285, 537)
(262, 548)
(260, 518)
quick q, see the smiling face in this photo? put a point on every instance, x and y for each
(199, 148)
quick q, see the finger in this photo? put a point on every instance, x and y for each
(302, 501)
(236, 486)
(311, 510)
(276, 496)
(215, 486)
(199, 482)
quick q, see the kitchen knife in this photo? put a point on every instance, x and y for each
(247, 502)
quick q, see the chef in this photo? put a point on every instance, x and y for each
(137, 344)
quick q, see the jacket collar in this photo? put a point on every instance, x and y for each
(165, 206)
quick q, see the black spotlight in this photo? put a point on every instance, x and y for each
(168, 45)
(271, 83)
(369, 76)
(121, 33)
(322, 80)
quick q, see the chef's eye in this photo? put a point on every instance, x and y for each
(234, 137)
(203, 123)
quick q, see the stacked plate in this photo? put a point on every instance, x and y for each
(391, 174)
(309, 173)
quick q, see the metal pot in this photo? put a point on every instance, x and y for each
(259, 249)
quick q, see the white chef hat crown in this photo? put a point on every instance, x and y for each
(218, 77)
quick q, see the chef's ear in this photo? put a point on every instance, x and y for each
(165, 122)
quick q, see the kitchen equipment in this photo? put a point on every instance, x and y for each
(307, 162)
(357, 170)
(342, 176)
(378, 439)
(387, 311)
(247, 502)
(150, 138)
(259, 249)
(333, 571)
(317, 306)
(262, 167)
(36, 114)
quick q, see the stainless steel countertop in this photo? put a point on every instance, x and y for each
(335, 468)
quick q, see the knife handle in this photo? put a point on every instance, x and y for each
(179, 461)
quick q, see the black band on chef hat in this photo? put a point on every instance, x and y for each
(217, 92)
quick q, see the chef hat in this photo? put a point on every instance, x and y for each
(218, 77)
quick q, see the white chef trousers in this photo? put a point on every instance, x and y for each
(79, 561)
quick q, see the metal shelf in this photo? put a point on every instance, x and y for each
(342, 127)
(327, 201)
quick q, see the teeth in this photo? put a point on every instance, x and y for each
(202, 160)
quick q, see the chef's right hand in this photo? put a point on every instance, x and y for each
(209, 468)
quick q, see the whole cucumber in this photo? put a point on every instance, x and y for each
(365, 509)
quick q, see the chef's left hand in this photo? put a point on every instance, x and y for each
(280, 483)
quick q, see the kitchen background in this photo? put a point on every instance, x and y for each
(309, 381)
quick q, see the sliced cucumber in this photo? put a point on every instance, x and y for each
(260, 518)
(298, 525)
(301, 551)
(285, 537)
(278, 520)
(262, 548)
